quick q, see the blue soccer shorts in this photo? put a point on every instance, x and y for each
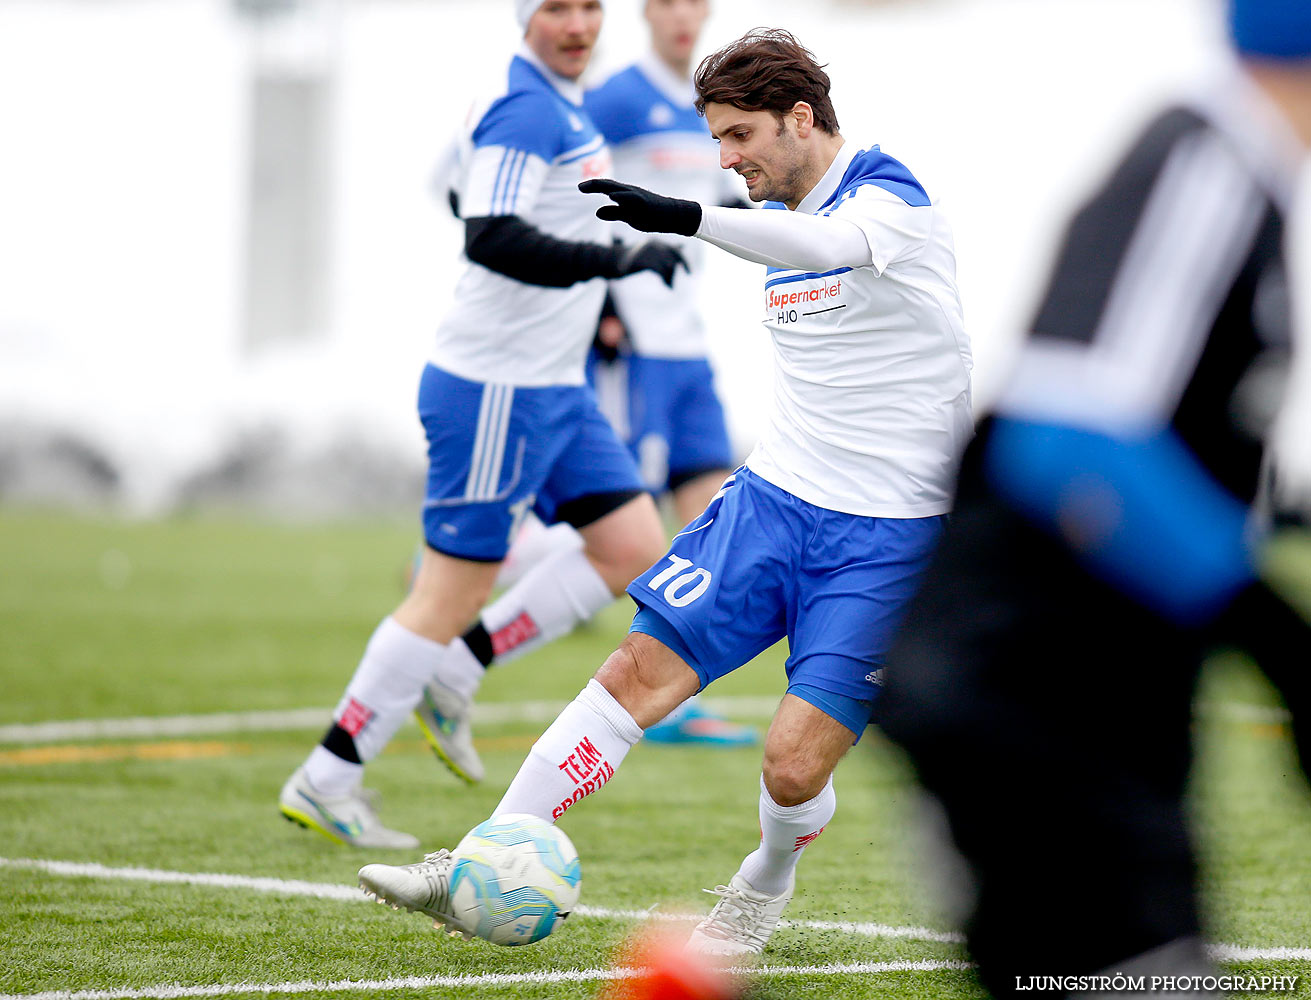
(497, 451)
(760, 564)
(668, 413)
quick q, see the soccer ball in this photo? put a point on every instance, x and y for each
(516, 877)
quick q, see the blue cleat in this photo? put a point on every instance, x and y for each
(690, 723)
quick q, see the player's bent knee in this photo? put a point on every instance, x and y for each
(791, 780)
(623, 670)
(619, 671)
(646, 678)
(620, 674)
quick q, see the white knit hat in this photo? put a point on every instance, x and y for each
(524, 11)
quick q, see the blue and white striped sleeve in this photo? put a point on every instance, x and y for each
(513, 146)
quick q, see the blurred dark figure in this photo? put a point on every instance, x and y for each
(1114, 520)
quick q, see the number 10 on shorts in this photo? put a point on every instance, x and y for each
(683, 587)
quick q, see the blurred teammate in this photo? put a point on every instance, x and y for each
(511, 427)
(660, 396)
(667, 400)
(821, 536)
(652, 377)
(1110, 527)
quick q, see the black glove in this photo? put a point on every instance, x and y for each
(652, 255)
(645, 210)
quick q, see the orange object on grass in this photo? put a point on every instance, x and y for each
(662, 970)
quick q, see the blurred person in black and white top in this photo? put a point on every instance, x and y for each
(1122, 512)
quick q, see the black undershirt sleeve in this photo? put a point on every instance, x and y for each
(510, 246)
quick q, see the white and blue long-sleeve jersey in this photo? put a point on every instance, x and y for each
(871, 359)
(523, 152)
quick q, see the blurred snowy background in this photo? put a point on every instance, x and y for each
(221, 257)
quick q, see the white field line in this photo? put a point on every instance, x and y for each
(1237, 953)
(329, 890)
(167, 992)
(282, 720)
(351, 894)
(341, 892)
(279, 720)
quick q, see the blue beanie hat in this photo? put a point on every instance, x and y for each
(1278, 29)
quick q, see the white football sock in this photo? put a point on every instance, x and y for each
(386, 686)
(552, 598)
(331, 775)
(785, 831)
(561, 591)
(534, 543)
(460, 670)
(577, 754)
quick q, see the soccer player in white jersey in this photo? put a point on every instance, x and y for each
(511, 427)
(822, 535)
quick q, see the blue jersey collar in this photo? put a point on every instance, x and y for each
(873, 166)
(822, 193)
(679, 92)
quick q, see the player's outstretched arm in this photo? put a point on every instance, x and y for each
(787, 239)
(778, 239)
(512, 247)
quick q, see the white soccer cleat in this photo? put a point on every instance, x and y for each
(445, 717)
(344, 819)
(742, 921)
(424, 887)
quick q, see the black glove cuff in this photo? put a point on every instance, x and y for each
(612, 261)
(687, 219)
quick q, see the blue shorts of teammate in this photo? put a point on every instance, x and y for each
(667, 412)
(497, 451)
(760, 564)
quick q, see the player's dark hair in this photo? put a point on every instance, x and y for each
(766, 69)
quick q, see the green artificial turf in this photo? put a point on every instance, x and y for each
(104, 619)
